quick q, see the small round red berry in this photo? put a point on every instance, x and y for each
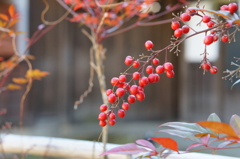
(206, 66)
(178, 32)
(185, 17)
(157, 77)
(185, 29)
(112, 98)
(143, 81)
(133, 89)
(210, 24)
(151, 78)
(228, 25)
(112, 116)
(206, 19)
(120, 84)
(148, 44)
(108, 92)
(192, 12)
(126, 86)
(170, 74)
(122, 78)
(224, 7)
(140, 88)
(232, 7)
(155, 61)
(175, 25)
(125, 106)
(215, 38)
(208, 40)
(102, 116)
(114, 81)
(131, 99)
(128, 60)
(136, 75)
(140, 96)
(149, 69)
(224, 38)
(168, 66)
(112, 122)
(159, 69)
(214, 70)
(102, 123)
(121, 113)
(120, 92)
(136, 64)
(103, 107)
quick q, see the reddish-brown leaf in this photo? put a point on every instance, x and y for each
(11, 10)
(4, 17)
(166, 142)
(219, 127)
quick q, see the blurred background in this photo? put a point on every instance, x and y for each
(64, 52)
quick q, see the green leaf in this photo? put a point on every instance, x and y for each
(182, 134)
(214, 117)
(235, 123)
(235, 83)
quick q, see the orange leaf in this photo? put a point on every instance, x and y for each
(11, 10)
(219, 127)
(4, 17)
(3, 24)
(20, 80)
(36, 74)
(13, 22)
(13, 87)
(166, 142)
(204, 134)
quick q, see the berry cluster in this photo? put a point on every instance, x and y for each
(132, 90)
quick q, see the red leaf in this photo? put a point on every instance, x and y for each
(11, 10)
(130, 148)
(166, 142)
(146, 143)
(219, 127)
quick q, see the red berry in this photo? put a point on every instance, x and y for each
(102, 123)
(120, 84)
(232, 7)
(133, 89)
(192, 12)
(102, 116)
(103, 107)
(159, 69)
(114, 81)
(112, 116)
(224, 7)
(136, 75)
(143, 81)
(206, 66)
(108, 92)
(175, 25)
(128, 60)
(112, 98)
(120, 92)
(214, 70)
(140, 88)
(185, 17)
(140, 96)
(157, 77)
(121, 113)
(126, 86)
(148, 44)
(122, 78)
(151, 78)
(168, 66)
(215, 38)
(155, 61)
(208, 40)
(136, 64)
(170, 74)
(228, 25)
(125, 106)
(131, 99)
(149, 69)
(185, 29)
(224, 38)
(210, 24)
(178, 32)
(206, 19)
(112, 122)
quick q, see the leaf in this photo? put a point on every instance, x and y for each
(235, 123)
(224, 144)
(13, 87)
(20, 80)
(11, 10)
(166, 142)
(3, 24)
(214, 117)
(193, 146)
(13, 22)
(205, 139)
(204, 134)
(191, 127)
(36, 74)
(146, 143)
(235, 83)
(4, 17)
(219, 127)
(130, 148)
(182, 134)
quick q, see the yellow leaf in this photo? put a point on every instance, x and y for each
(4, 17)
(13, 87)
(20, 80)
(36, 74)
(11, 10)
(2, 24)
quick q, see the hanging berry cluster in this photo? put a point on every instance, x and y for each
(124, 93)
